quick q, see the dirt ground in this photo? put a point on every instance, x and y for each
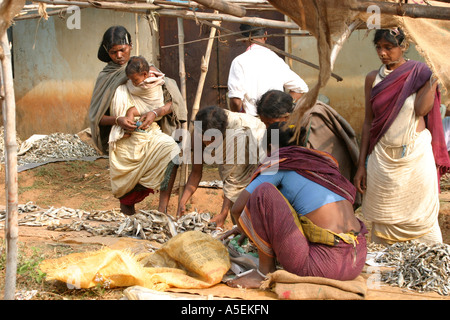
(85, 185)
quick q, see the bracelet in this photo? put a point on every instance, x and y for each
(433, 79)
(116, 120)
(156, 113)
(260, 273)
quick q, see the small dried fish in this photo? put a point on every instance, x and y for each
(418, 266)
(145, 224)
(211, 184)
(54, 146)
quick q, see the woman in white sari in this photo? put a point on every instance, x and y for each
(403, 150)
(142, 162)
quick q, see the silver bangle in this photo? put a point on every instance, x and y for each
(260, 273)
(156, 113)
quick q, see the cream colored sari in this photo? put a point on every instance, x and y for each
(143, 157)
(402, 196)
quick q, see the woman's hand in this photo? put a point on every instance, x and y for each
(236, 232)
(126, 124)
(181, 210)
(147, 119)
(360, 179)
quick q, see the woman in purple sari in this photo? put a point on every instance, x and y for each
(298, 211)
(403, 152)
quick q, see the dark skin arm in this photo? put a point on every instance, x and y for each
(191, 185)
(424, 102)
(295, 95)
(148, 118)
(236, 211)
(123, 122)
(236, 104)
(360, 177)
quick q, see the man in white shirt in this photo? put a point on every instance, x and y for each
(257, 71)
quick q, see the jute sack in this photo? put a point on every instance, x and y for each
(189, 260)
(290, 286)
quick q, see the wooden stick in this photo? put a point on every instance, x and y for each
(204, 71)
(124, 6)
(203, 39)
(12, 226)
(225, 7)
(136, 33)
(182, 72)
(185, 14)
(260, 22)
(408, 10)
(38, 16)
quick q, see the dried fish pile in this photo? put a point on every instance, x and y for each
(155, 225)
(57, 146)
(418, 266)
(149, 225)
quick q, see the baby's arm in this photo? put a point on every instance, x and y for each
(131, 113)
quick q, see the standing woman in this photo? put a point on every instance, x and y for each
(143, 162)
(403, 153)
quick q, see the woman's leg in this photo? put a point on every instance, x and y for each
(136, 195)
(164, 195)
(270, 222)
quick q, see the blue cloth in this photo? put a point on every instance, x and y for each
(304, 195)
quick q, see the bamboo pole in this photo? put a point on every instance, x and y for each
(405, 9)
(225, 7)
(136, 32)
(204, 71)
(260, 22)
(12, 226)
(184, 126)
(179, 13)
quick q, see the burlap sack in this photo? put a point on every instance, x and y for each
(292, 287)
(190, 260)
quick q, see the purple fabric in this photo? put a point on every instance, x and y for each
(388, 97)
(267, 212)
(136, 195)
(317, 166)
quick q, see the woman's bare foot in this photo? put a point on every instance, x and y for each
(127, 210)
(251, 280)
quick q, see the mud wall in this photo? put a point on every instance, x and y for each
(55, 68)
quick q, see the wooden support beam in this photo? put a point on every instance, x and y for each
(405, 9)
(260, 22)
(224, 6)
(12, 221)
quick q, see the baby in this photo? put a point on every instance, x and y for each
(145, 86)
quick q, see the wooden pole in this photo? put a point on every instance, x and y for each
(405, 9)
(9, 114)
(254, 21)
(136, 32)
(224, 6)
(204, 71)
(184, 126)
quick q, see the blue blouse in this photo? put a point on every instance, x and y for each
(303, 194)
